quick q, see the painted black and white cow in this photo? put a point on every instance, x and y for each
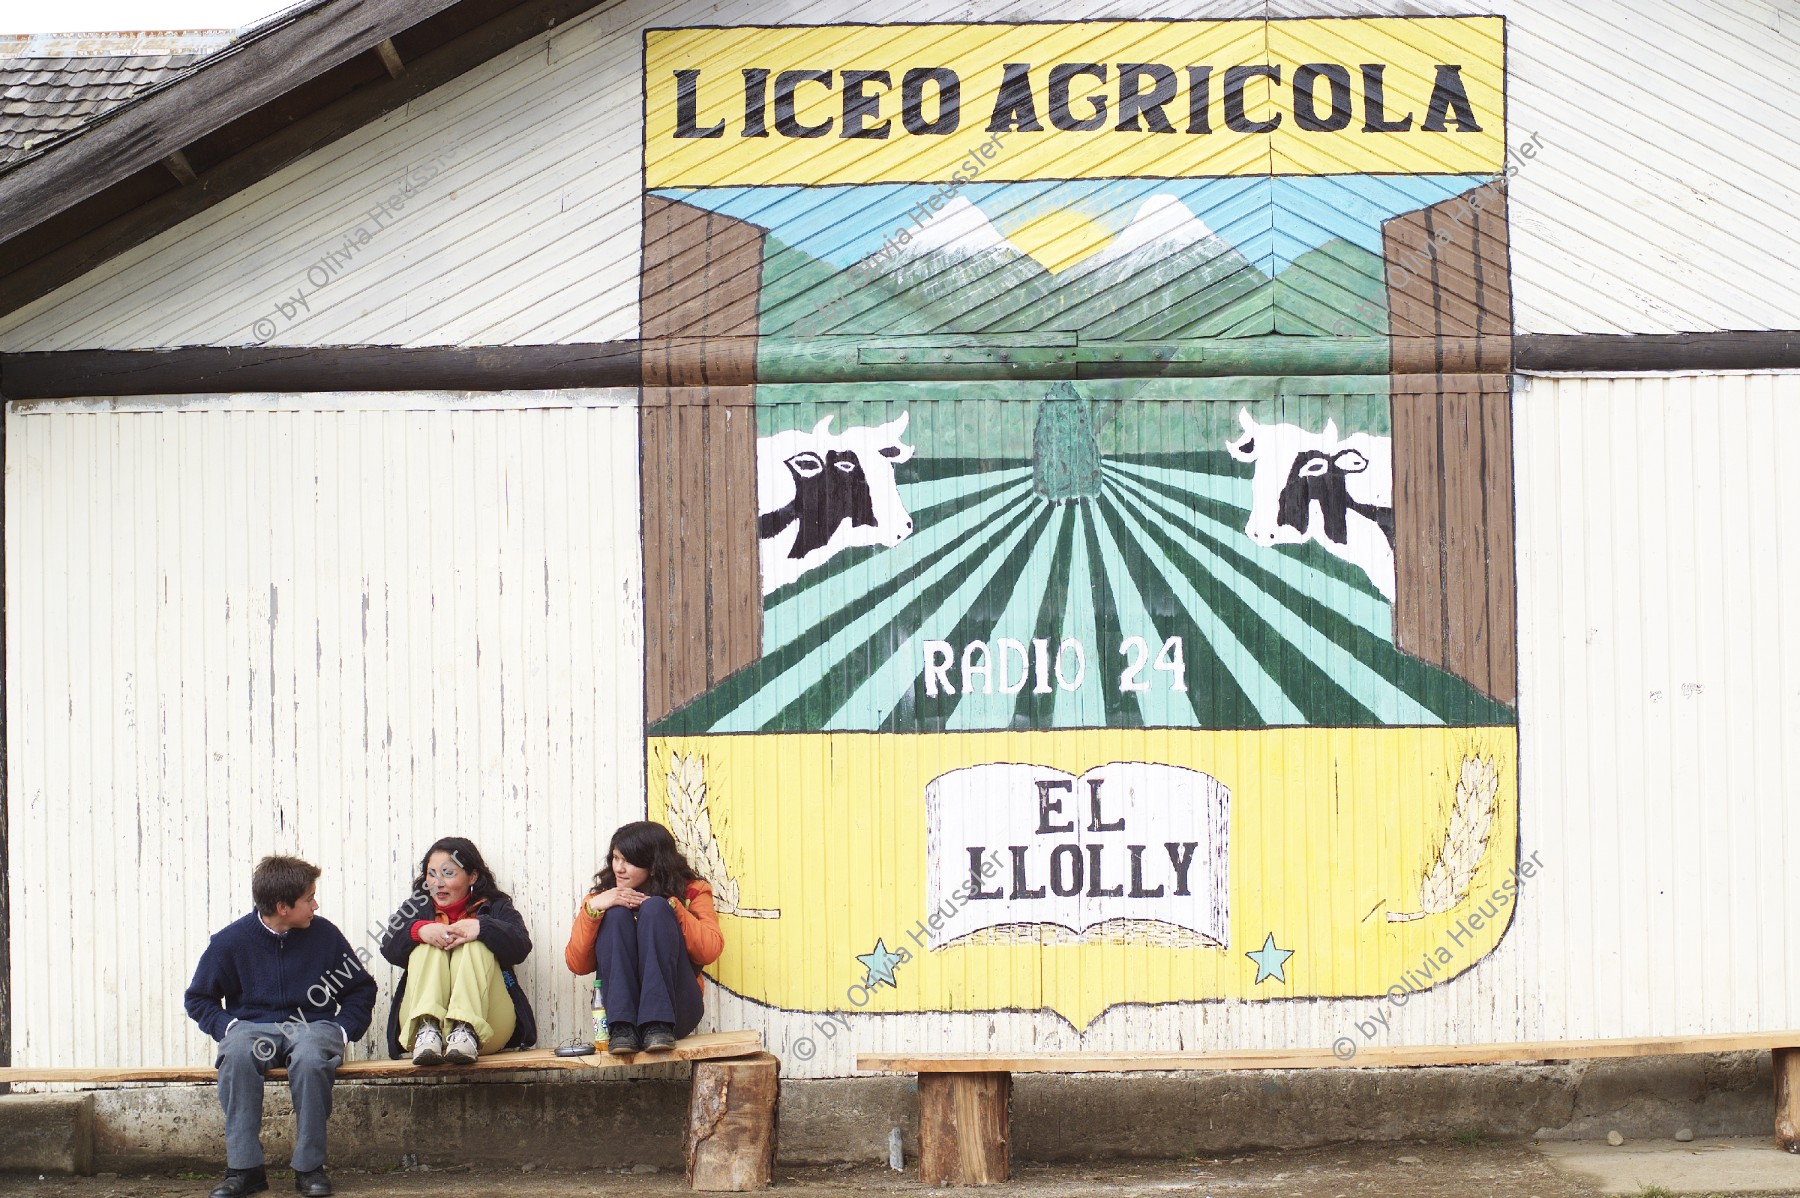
(1336, 491)
(820, 492)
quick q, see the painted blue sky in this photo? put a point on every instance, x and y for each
(1270, 220)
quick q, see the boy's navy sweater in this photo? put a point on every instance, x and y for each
(250, 973)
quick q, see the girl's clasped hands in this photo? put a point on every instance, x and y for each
(619, 896)
(448, 935)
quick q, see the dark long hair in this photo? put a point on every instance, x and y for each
(648, 846)
(462, 850)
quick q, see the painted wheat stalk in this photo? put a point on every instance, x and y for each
(691, 825)
(1447, 878)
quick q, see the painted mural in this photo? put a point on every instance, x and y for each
(1057, 596)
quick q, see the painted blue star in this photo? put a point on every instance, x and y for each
(880, 964)
(1270, 961)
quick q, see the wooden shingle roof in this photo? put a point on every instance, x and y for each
(44, 97)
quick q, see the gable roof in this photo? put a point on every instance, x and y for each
(88, 176)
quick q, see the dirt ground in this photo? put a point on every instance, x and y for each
(1349, 1171)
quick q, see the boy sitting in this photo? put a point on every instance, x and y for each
(279, 988)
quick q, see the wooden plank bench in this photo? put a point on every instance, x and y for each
(965, 1097)
(732, 1096)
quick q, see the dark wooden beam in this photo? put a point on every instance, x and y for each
(1760, 349)
(78, 373)
(302, 137)
(142, 133)
(73, 374)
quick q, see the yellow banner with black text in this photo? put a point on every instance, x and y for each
(1087, 100)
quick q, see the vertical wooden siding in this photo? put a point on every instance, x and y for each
(1453, 548)
(702, 590)
(340, 634)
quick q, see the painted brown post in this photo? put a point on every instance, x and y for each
(698, 302)
(1787, 1099)
(1450, 313)
(733, 1111)
(965, 1125)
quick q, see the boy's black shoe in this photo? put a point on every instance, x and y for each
(238, 1182)
(313, 1183)
(659, 1037)
(622, 1038)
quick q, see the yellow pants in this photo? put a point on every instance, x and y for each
(463, 985)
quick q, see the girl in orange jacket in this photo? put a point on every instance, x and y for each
(647, 926)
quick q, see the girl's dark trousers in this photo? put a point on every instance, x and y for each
(645, 974)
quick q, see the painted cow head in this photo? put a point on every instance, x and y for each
(1335, 491)
(821, 492)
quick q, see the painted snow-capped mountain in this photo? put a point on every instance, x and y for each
(1162, 225)
(1166, 274)
(960, 228)
(1165, 261)
(954, 263)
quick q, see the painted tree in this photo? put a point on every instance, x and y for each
(1065, 448)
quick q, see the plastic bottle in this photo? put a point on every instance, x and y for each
(600, 1037)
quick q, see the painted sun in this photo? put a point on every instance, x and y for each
(1060, 239)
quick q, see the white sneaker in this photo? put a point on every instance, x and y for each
(428, 1044)
(464, 1048)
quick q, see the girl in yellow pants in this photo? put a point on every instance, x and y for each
(458, 938)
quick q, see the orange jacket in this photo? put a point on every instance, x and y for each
(699, 929)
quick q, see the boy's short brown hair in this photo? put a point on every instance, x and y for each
(281, 880)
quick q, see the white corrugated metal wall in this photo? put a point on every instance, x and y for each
(1647, 207)
(339, 628)
(490, 685)
(1659, 701)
